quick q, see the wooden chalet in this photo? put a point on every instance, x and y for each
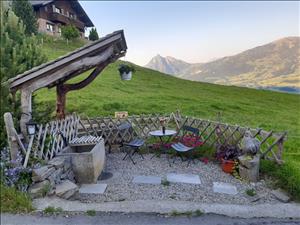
(53, 14)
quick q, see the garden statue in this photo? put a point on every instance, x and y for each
(250, 145)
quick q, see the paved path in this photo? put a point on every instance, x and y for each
(138, 219)
(280, 210)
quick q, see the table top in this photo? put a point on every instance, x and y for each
(160, 133)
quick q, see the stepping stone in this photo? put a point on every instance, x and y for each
(146, 180)
(92, 188)
(224, 188)
(280, 195)
(183, 178)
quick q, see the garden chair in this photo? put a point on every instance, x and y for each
(133, 145)
(186, 143)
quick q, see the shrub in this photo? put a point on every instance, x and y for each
(70, 32)
(50, 210)
(93, 36)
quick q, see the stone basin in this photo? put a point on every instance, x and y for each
(87, 161)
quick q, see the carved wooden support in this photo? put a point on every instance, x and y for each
(62, 89)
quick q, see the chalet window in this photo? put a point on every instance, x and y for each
(59, 31)
(57, 10)
(49, 27)
(71, 15)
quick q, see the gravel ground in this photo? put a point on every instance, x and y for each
(121, 188)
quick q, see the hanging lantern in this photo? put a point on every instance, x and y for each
(31, 127)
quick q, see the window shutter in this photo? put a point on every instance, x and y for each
(53, 8)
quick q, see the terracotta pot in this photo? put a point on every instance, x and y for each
(227, 166)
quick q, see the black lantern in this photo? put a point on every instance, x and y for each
(31, 127)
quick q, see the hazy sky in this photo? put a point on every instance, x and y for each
(193, 31)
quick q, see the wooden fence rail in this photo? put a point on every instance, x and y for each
(48, 141)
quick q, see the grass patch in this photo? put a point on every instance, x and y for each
(287, 176)
(13, 201)
(187, 213)
(50, 210)
(91, 212)
(251, 192)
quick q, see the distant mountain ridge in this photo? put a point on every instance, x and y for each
(275, 64)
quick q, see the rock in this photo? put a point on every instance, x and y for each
(66, 189)
(42, 173)
(280, 195)
(71, 176)
(67, 165)
(57, 162)
(225, 188)
(40, 189)
(55, 177)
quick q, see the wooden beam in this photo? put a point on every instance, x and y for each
(72, 69)
(11, 139)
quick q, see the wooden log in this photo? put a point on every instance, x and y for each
(11, 132)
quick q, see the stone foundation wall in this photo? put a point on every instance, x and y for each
(55, 178)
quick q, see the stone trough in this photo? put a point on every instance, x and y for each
(87, 161)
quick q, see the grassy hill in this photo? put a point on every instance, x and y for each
(152, 92)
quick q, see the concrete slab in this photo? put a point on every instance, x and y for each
(146, 180)
(183, 178)
(277, 210)
(92, 188)
(224, 188)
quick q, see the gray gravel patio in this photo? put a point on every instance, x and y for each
(121, 188)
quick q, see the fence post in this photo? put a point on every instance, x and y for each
(11, 135)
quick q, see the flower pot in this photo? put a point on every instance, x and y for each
(126, 76)
(227, 165)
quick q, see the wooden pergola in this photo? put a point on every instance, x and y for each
(56, 73)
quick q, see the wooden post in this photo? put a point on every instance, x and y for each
(11, 138)
(26, 111)
(60, 101)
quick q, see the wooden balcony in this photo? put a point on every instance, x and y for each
(57, 17)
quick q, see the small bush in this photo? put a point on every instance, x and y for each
(13, 201)
(251, 192)
(91, 212)
(165, 182)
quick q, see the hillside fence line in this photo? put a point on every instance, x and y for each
(48, 141)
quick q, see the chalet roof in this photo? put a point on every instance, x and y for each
(115, 40)
(82, 14)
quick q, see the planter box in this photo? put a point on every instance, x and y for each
(126, 76)
(87, 161)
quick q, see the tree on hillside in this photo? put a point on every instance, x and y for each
(23, 9)
(70, 32)
(93, 36)
(19, 53)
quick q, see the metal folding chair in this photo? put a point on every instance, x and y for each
(186, 144)
(133, 146)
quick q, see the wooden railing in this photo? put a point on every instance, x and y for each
(48, 142)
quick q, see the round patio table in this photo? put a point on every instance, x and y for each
(163, 137)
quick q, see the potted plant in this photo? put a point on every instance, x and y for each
(126, 71)
(227, 155)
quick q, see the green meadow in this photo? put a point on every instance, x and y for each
(153, 92)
